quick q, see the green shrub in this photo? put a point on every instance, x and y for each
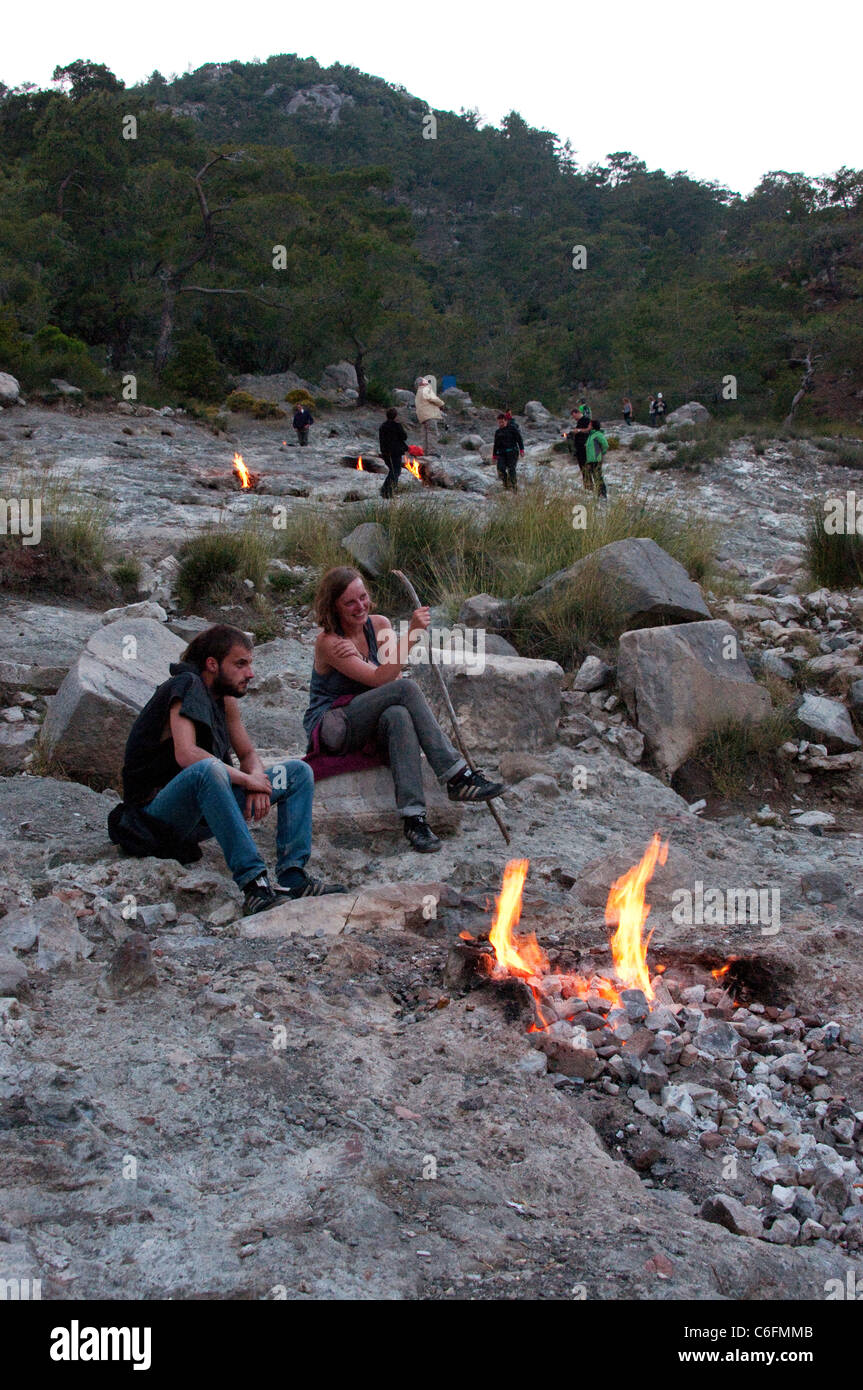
(127, 575)
(737, 753)
(268, 410)
(215, 564)
(194, 369)
(241, 402)
(377, 393)
(639, 441)
(300, 396)
(245, 404)
(835, 560)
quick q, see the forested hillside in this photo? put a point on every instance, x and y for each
(131, 219)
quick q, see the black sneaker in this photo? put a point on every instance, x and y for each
(258, 895)
(307, 887)
(420, 835)
(470, 785)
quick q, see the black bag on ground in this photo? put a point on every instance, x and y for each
(140, 835)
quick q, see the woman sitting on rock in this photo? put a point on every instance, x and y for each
(358, 696)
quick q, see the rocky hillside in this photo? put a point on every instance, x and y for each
(332, 1099)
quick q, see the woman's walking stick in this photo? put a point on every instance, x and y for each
(414, 598)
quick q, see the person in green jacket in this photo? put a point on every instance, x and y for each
(597, 447)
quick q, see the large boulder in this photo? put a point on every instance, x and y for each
(681, 682)
(89, 718)
(646, 584)
(368, 546)
(485, 611)
(9, 389)
(39, 642)
(402, 397)
(456, 400)
(340, 376)
(536, 412)
(692, 413)
(364, 803)
(502, 702)
(827, 721)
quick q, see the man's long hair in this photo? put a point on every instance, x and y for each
(215, 641)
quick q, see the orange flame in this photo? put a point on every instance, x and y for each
(723, 970)
(241, 471)
(360, 464)
(526, 957)
(627, 909)
(413, 467)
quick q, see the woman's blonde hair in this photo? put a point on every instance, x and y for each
(330, 590)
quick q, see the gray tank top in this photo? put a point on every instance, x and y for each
(324, 690)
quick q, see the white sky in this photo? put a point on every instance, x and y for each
(725, 90)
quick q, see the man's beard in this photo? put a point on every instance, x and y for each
(221, 687)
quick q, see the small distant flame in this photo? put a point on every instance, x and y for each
(242, 471)
(723, 970)
(413, 467)
(627, 909)
(360, 464)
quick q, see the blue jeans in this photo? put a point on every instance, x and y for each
(201, 801)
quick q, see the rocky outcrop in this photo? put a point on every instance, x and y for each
(368, 546)
(502, 702)
(88, 720)
(692, 413)
(645, 583)
(9, 389)
(536, 413)
(828, 722)
(340, 376)
(681, 682)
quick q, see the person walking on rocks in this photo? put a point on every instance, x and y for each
(358, 700)
(429, 407)
(301, 422)
(627, 411)
(507, 449)
(179, 778)
(596, 448)
(393, 442)
(659, 410)
(653, 411)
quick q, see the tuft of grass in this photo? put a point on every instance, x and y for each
(639, 441)
(127, 575)
(735, 752)
(71, 553)
(835, 560)
(509, 552)
(215, 564)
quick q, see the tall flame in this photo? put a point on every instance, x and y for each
(524, 957)
(413, 467)
(241, 471)
(360, 464)
(627, 909)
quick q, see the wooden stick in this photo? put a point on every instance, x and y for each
(414, 598)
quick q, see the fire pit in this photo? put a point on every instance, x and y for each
(688, 1053)
(363, 465)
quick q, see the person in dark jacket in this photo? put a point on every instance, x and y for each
(508, 447)
(393, 441)
(179, 768)
(577, 440)
(301, 421)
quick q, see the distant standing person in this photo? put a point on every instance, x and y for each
(660, 409)
(393, 442)
(508, 448)
(578, 443)
(627, 411)
(301, 422)
(653, 411)
(596, 449)
(429, 408)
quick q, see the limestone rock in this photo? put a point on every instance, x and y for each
(17, 742)
(681, 682)
(536, 412)
(381, 905)
(733, 1215)
(13, 974)
(144, 609)
(692, 413)
(484, 610)
(340, 376)
(39, 642)
(66, 388)
(9, 389)
(592, 674)
(502, 703)
(88, 720)
(645, 583)
(472, 443)
(368, 546)
(829, 720)
(364, 803)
